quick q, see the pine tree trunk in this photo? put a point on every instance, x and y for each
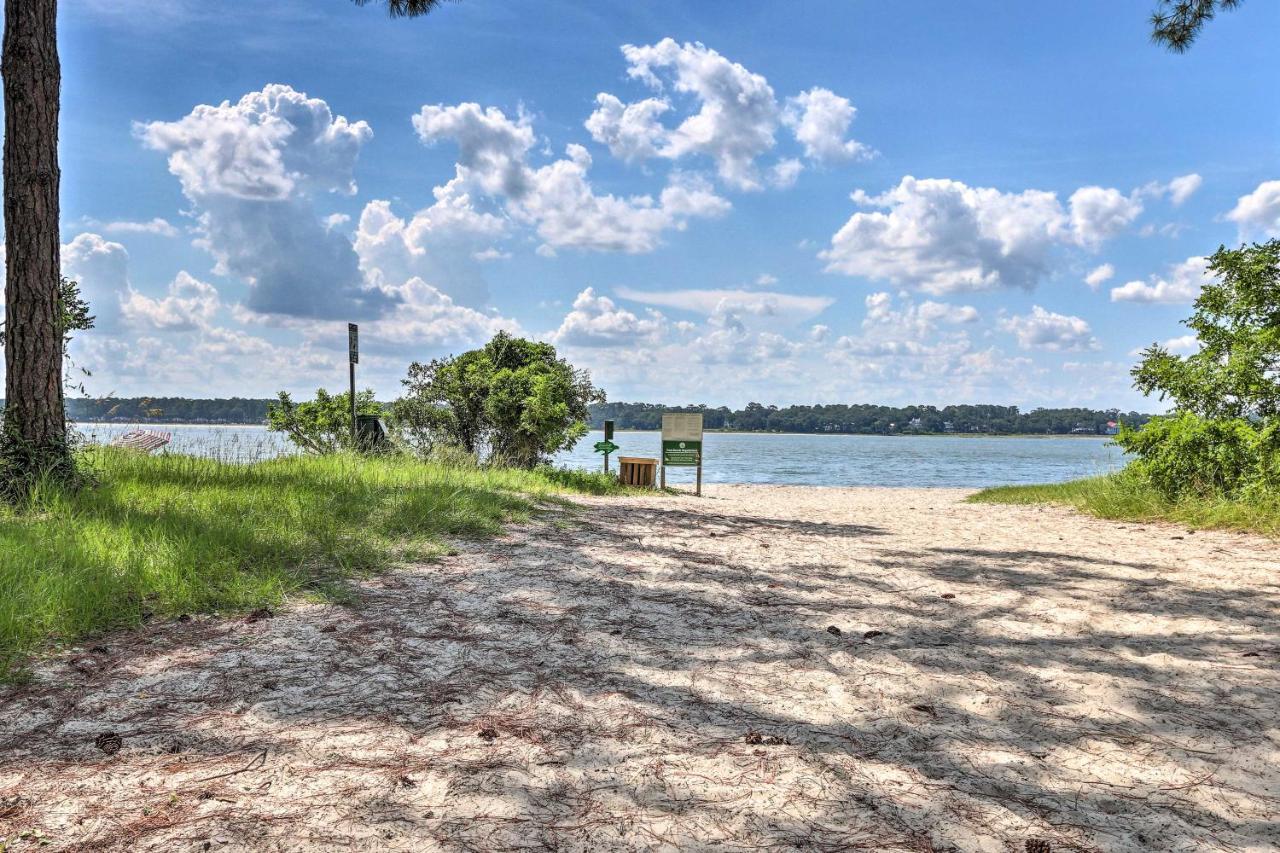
(34, 417)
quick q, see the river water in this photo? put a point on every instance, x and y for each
(827, 460)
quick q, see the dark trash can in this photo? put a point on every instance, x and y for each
(371, 434)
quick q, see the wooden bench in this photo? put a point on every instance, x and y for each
(637, 471)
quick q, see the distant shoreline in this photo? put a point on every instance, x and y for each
(146, 423)
(883, 434)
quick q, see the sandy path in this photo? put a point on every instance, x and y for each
(658, 673)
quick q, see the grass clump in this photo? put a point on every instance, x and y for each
(174, 534)
(1128, 496)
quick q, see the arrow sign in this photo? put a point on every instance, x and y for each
(605, 447)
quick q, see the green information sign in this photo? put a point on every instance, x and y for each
(681, 454)
(605, 447)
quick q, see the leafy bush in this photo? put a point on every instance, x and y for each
(1223, 435)
(1186, 453)
(577, 480)
(513, 400)
(322, 425)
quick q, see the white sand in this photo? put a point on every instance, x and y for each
(656, 673)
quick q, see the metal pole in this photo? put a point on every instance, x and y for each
(698, 491)
(606, 463)
(354, 436)
(662, 473)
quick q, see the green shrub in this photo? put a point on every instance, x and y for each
(512, 402)
(322, 425)
(577, 480)
(1224, 436)
(1186, 453)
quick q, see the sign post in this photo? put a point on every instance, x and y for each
(353, 358)
(682, 444)
(608, 436)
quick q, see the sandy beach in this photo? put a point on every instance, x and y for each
(764, 668)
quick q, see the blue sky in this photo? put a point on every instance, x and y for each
(710, 201)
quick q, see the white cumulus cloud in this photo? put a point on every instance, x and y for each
(557, 199)
(189, 304)
(738, 116)
(787, 307)
(250, 170)
(1042, 329)
(598, 321)
(1100, 213)
(1258, 212)
(1182, 283)
(820, 120)
(1099, 275)
(1182, 188)
(943, 236)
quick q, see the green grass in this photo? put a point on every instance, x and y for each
(1127, 497)
(161, 536)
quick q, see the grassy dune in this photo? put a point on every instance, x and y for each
(172, 534)
(1125, 496)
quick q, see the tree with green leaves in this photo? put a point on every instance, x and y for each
(33, 436)
(322, 425)
(1176, 23)
(1223, 435)
(514, 401)
(1236, 372)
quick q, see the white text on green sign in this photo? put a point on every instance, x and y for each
(681, 454)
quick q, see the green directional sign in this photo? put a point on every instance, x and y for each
(681, 454)
(605, 447)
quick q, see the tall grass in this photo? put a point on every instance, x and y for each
(1127, 496)
(160, 536)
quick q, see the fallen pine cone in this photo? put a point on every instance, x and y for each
(260, 613)
(11, 806)
(488, 734)
(109, 742)
(834, 631)
(868, 635)
(1039, 845)
(86, 665)
(757, 739)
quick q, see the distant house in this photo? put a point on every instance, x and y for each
(1084, 430)
(1113, 428)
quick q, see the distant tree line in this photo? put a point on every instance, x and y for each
(859, 418)
(877, 420)
(173, 410)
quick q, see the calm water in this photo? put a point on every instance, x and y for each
(230, 443)
(828, 460)
(873, 460)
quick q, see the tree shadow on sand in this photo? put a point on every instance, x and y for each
(627, 684)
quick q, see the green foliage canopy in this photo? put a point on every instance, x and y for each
(1236, 373)
(513, 399)
(1176, 23)
(1224, 434)
(322, 425)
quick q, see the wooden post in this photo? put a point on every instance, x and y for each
(663, 474)
(698, 490)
